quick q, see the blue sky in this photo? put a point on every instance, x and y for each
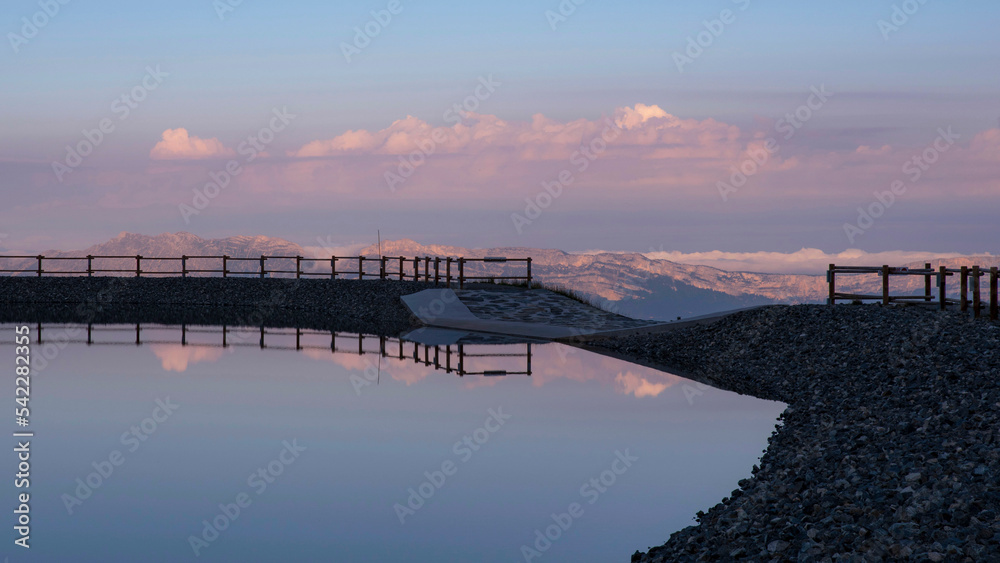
(226, 75)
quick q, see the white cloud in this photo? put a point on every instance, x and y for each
(804, 261)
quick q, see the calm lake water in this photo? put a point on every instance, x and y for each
(322, 456)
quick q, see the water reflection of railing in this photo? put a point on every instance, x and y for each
(450, 358)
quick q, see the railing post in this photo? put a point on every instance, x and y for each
(401, 266)
(90, 266)
(964, 293)
(361, 267)
(529, 272)
(184, 268)
(225, 265)
(437, 270)
(942, 287)
(138, 265)
(416, 268)
(885, 284)
(976, 302)
(262, 258)
(427, 268)
(39, 258)
(447, 271)
(298, 267)
(381, 268)
(927, 282)
(994, 305)
(461, 273)
(831, 277)
(333, 267)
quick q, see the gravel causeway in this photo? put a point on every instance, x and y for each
(889, 447)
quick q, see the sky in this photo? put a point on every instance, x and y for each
(735, 126)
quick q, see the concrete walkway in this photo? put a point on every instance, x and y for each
(535, 314)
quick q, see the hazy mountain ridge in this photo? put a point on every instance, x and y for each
(630, 283)
(166, 245)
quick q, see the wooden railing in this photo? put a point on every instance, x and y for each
(428, 269)
(447, 358)
(969, 279)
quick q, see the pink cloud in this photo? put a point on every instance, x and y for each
(175, 357)
(627, 131)
(628, 383)
(177, 144)
(653, 156)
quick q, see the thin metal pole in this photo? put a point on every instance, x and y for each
(927, 282)
(885, 284)
(830, 275)
(964, 294)
(976, 302)
(942, 287)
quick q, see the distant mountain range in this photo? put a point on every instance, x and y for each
(628, 283)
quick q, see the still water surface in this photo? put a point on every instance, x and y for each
(364, 457)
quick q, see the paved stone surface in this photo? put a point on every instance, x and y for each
(532, 314)
(540, 306)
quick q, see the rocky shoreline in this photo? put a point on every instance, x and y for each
(369, 306)
(889, 447)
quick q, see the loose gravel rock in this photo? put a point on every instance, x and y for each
(889, 447)
(370, 306)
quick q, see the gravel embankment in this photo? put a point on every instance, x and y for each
(370, 306)
(889, 448)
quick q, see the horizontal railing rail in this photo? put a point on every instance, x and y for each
(436, 269)
(969, 279)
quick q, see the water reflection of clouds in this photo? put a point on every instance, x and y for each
(569, 363)
(550, 363)
(175, 357)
